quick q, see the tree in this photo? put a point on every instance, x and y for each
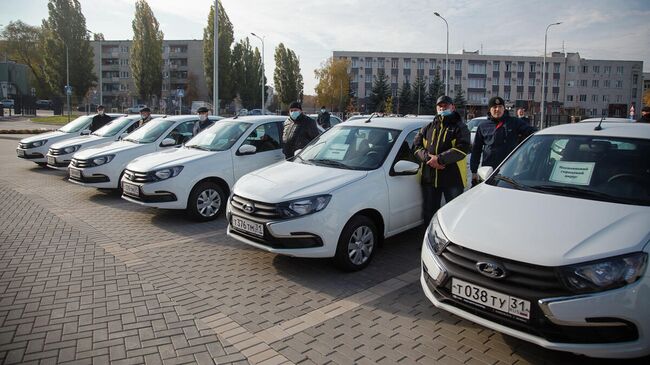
(405, 99)
(436, 89)
(287, 77)
(379, 93)
(226, 39)
(419, 96)
(64, 28)
(459, 99)
(388, 109)
(146, 52)
(246, 75)
(333, 88)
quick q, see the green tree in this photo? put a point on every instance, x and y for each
(226, 39)
(287, 77)
(405, 99)
(146, 52)
(246, 74)
(436, 89)
(379, 93)
(66, 26)
(333, 88)
(419, 96)
(22, 42)
(459, 99)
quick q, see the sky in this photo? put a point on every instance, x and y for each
(597, 29)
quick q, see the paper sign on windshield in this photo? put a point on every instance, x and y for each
(336, 151)
(574, 173)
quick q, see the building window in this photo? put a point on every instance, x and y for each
(124, 74)
(520, 67)
(596, 70)
(124, 49)
(571, 69)
(459, 65)
(556, 96)
(556, 83)
(476, 97)
(607, 70)
(556, 67)
(619, 98)
(506, 81)
(368, 62)
(571, 83)
(594, 83)
(569, 98)
(407, 63)
(635, 79)
(583, 83)
(394, 63)
(178, 49)
(520, 82)
(531, 82)
(495, 81)
(532, 67)
(619, 84)
(508, 66)
(634, 93)
(432, 64)
(476, 83)
(520, 96)
(355, 62)
(495, 65)
(583, 97)
(594, 112)
(606, 83)
(531, 95)
(506, 95)
(594, 98)
(604, 112)
(606, 98)
(420, 64)
(619, 70)
(585, 69)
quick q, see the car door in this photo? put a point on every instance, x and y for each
(266, 138)
(404, 191)
(180, 134)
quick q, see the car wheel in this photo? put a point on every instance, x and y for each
(357, 244)
(207, 201)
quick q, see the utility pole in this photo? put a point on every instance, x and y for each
(215, 62)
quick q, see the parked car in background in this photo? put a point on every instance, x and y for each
(44, 104)
(102, 166)
(7, 103)
(472, 125)
(136, 108)
(553, 247)
(199, 176)
(259, 112)
(87, 107)
(35, 148)
(338, 197)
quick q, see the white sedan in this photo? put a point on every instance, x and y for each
(199, 176)
(102, 166)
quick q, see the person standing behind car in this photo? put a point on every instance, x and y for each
(645, 115)
(324, 118)
(298, 131)
(441, 147)
(521, 114)
(145, 114)
(203, 122)
(496, 137)
(99, 120)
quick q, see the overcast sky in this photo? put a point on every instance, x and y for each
(597, 29)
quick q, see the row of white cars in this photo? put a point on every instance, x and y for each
(551, 248)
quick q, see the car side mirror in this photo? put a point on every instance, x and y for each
(122, 136)
(405, 167)
(85, 132)
(168, 142)
(247, 149)
(485, 172)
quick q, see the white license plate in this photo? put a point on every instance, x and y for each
(51, 160)
(21, 153)
(130, 189)
(74, 173)
(248, 226)
(491, 299)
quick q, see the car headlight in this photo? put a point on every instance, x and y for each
(436, 237)
(605, 274)
(72, 149)
(164, 174)
(38, 143)
(102, 160)
(300, 207)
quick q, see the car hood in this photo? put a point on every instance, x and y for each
(172, 157)
(543, 229)
(49, 136)
(78, 140)
(112, 148)
(291, 180)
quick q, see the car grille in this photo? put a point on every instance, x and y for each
(265, 211)
(140, 177)
(81, 163)
(56, 151)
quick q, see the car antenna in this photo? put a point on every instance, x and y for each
(598, 127)
(371, 116)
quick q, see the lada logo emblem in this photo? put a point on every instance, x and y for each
(491, 269)
(248, 208)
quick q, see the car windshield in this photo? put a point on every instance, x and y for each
(472, 125)
(150, 132)
(355, 148)
(219, 137)
(112, 128)
(602, 168)
(77, 124)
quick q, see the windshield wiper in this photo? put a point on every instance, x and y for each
(572, 190)
(195, 146)
(328, 162)
(131, 140)
(511, 181)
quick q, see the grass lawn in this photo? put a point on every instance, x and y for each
(57, 119)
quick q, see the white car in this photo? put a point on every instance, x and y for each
(136, 108)
(472, 125)
(60, 153)
(344, 192)
(334, 120)
(198, 177)
(553, 247)
(102, 166)
(35, 148)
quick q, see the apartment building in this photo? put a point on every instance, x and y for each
(182, 70)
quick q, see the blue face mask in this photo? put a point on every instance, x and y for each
(295, 115)
(445, 113)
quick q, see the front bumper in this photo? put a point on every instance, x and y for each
(160, 194)
(58, 162)
(99, 177)
(36, 155)
(563, 323)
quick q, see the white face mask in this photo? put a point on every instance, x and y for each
(322, 110)
(203, 117)
(101, 112)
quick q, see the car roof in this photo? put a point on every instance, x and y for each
(386, 122)
(607, 119)
(258, 118)
(609, 129)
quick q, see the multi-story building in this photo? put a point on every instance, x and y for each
(517, 79)
(182, 70)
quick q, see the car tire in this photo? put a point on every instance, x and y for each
(357, 244)
(207, 201)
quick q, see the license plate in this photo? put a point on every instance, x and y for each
(51, 160)
(21, 153)
(492, 299)
(131, 189)
(74, 173)
(248, 226)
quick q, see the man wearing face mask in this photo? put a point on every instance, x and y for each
(324, 118)
(203, 122)
(497, 137)
(298, 131)
(441, 147)
(145, 114)
(99, 120)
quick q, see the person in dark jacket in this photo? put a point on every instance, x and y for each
(99, 120)
(496, 137)
(203, 122)
(145, 114)
(441, 147)
(521, 114)
(298, 131)
(324, 118)
(645, 115)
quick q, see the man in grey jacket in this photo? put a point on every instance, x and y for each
(298, 131)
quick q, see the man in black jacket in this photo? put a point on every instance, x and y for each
(298, 131)
(324, 118)
(645, 115)
(99, 120)
(441, 147)
(497, 137)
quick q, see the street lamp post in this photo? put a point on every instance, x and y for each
(215, 61)
(261, 39)
(67, 77)
(447, 54)
(541, 121)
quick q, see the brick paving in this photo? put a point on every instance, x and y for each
(86, 277)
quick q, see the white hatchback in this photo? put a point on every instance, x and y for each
(198, 177)
(103, 166)
(339, 197)
(553, 247)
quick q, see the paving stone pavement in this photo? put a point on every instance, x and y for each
(86, 277)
